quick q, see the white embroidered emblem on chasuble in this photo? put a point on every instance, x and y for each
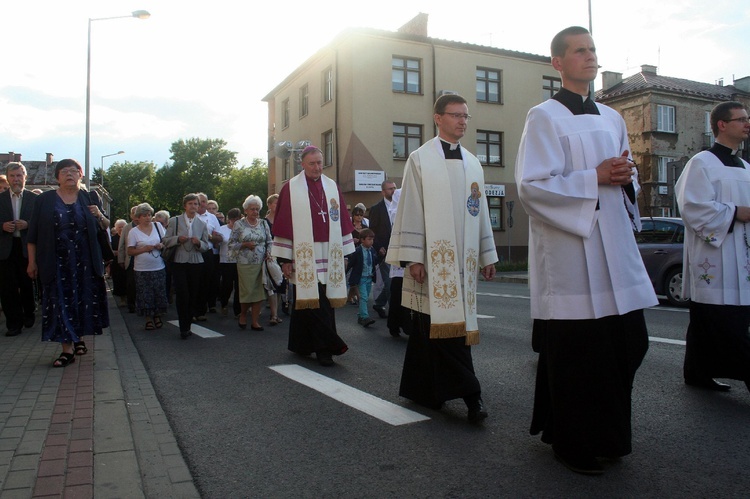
(336, 274)
(305, 265)
(470, 270)
(444, 286)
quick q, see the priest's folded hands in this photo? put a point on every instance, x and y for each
(615, 171)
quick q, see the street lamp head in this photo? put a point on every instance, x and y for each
(120, 152)
(141, 14)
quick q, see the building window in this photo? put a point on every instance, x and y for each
(328, 148)
(708, 134)
(406, 75)
(285, 114)
(327, 84)
(661, 174)
(304, 94)
(495, 205)
(406, 139)
(550, 86)
(285, 167)
(490, 148)
(665, 118)
(488, 85)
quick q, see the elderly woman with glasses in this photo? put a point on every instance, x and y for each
(64, 253)
(144, 244)
(251, 244)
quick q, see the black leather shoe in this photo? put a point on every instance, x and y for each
(395, 332)
(185, 334)
(325, 359)
(28, 322)
(477, 412)
(13, 332)
(708, 384)
(582, 465)
(381, 312)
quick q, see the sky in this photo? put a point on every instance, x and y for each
(200, 69)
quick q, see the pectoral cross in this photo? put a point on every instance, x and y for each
(322, 214)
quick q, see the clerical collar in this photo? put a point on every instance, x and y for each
(576, 103)
(727, 156)
(451, 151)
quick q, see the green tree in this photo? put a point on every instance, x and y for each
(240, 183)
(127, 183)
(197, 165)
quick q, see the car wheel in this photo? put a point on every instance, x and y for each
(673, 288)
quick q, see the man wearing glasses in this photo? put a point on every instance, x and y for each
(713, 194)
(443, 236)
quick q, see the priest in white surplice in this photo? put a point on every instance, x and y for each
(588, 283)
(442, 234)
(713, 194)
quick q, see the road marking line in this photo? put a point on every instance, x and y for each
(504, 296)
(369, 404)
(666, 340)
(199, 330)
(480, 316)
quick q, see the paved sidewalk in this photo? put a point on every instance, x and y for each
(92, 429)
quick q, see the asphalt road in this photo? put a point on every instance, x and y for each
(247, 431)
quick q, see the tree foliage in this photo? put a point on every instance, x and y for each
(198, 165)
(128, 184)
(240, 183)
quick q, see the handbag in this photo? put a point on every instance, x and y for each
(102, 236)
(167, 254)
(274, 277)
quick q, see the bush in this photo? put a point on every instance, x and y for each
(505, 266)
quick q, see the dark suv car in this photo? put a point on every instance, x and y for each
(660, 243)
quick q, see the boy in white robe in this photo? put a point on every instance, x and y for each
(713, 194)
(588, 283)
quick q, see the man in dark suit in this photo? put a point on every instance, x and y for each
(16, 288)
(380, 223)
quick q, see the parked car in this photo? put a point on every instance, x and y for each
(660, 242)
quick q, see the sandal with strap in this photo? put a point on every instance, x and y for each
(80, 348)
(64, 359)
(158, 323)
(150, 326)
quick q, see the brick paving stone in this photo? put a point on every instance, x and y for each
(19, 479)
(55, 452)
(79, 492)
(83, 445)
(49, 485)
(80, 459)
(29, 462)
(52, 467)
(83, 475)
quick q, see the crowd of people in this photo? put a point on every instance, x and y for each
(416, 260)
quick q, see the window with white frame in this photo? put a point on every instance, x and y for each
(550, 86)
(665, 118)
(488, 85)
(328, 148)
(406, 75)
(661, 173)
(406, 139)
(327, 84)
(304, 95)
(708, 133)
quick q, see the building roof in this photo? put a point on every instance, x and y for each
(342, 36)
(652, 81)
(38, 173)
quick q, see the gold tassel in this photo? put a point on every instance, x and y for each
(472, 338)
(451, 330)
(337, 302)
(306, 304)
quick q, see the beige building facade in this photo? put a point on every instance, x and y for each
(366, 100)
(668, 123)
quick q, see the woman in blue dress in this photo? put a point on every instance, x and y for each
(64, 253)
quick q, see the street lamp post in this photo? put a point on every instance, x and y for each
(106, 156)
(138, 14)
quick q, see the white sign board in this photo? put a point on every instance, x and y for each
(368, 180)
(494, 190)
